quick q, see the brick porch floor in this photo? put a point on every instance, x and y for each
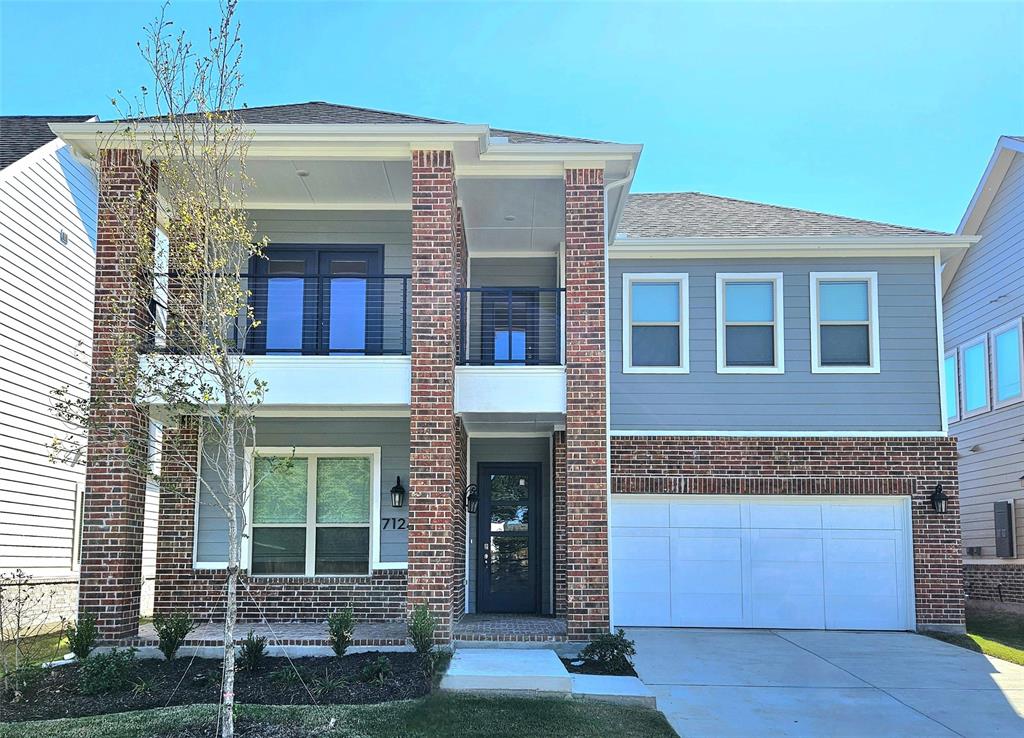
(285, 634)
(510, 628)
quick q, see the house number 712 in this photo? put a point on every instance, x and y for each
(394, 523)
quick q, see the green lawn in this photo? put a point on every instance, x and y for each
(438, 715)
(38, 649)
(992, 632)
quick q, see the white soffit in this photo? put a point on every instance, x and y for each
(521, 214)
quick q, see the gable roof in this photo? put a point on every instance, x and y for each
(324, 112)
(20, 135)
(669, 215)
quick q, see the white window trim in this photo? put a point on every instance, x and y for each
(319, 451)
(874, 365)
(1017, 324)
(780, 353)
(953, 413)
(683, 280)
(961, 366)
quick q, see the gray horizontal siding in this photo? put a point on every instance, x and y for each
(904, 396)
(513, 272)
(390, 434)
(512, 450)
(986, 293)
(391, 228)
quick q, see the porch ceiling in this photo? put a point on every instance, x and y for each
(513, 214)
(329, 183)
(510, 423)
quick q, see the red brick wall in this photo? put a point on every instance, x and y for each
(200, 592)
(433, 498)
(558, 524)
(819, 466)
(995, 582)
(115, 484)
(586, 433)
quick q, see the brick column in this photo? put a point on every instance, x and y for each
(433, 498)
(558, 524)
(115, 481)
(176, 522)
(586, 431)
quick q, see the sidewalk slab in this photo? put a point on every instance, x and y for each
(507, 669)
(612, 688)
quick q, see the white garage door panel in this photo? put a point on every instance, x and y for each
(759, 562)
(706, 515)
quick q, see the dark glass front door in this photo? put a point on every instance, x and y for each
(508, 530)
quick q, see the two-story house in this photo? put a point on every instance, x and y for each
(599, 408)
(983, 309)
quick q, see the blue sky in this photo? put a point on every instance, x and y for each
(874, 110)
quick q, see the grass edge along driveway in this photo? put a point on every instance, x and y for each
(441, 714)
(992, 632)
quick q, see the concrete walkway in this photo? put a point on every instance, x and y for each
(817, 683)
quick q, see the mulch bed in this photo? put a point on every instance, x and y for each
(588, 667)
(186, 681)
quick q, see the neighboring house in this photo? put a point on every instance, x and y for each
(47, 252)
(983, 307)
(677, 409)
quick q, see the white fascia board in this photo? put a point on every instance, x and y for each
(788, 246)
(997, 167)
(570, 153)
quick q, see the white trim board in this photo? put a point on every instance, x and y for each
(682, 279)
(778, 321)
(783, 434)
(874, 364)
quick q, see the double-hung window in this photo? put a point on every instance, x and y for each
(313, 512)
(655, 323)
(1007, 364)
(952, 380)
(974, 377)
(749, 335)
(844, 322)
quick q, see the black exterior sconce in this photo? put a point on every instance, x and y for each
(472, 499)
(938, 499)
(398, 493)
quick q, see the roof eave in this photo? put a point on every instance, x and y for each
(947, 246)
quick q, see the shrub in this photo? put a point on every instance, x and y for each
(82, 635)
(171, 630)
(341, 627)
(376, 672)
(19, 684)
(434, 662)
(252, 651)
(286, 676)
(610, 653)
(421, 630)
(107, 672)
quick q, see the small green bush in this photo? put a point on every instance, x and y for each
(252, 651)
(82, 635)
(435, 662)
(376, 672)
(20, 683)
(421, 630)
(341, 628)
(171, 630)
(286, 676)
(107, 672)
(610, 653)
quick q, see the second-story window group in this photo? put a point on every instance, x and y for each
(750, 323)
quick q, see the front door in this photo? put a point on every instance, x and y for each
(508, 534)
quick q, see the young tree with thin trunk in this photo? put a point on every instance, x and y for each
(193, 242)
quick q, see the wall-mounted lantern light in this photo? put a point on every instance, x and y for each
(938, 499)
(398, 493)
(472, 499)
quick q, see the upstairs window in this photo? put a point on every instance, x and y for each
(655, 329)
(974, 377)
(951, 367)
(844, 322)
(749, 334)
(1007, 363)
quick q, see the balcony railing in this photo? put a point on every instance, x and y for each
(510, 326)
(300, 315)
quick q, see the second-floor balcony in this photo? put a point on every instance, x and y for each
(510, 326)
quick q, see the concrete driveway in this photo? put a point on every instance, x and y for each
(817, 683)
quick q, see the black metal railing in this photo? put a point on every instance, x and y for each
(308, 315)
(510, 326)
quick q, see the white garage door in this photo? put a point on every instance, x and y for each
(762, 562)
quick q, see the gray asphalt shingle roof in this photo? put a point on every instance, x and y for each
(324, 112)
(22, 134)
(697, 215)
